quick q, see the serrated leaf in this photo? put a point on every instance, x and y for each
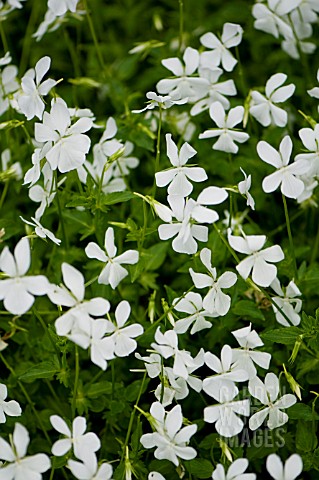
(42, 370)
(286, 336)
(117, 197)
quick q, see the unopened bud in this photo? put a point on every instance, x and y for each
(151, 306)
(295, 350)
(226, 451)
(169, 314)
(295, 387)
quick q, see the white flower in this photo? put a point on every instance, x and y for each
(89, 469)
(17, 291)
(123, 337)
(192, 304)
(184, 85)
(11, 408)
(245, 357)
(68, 144)
(263, 273)
(41, 231)
(164, 102)
(153, 364)
(167, 346)
(290, 471)
(244, 187)
(170, 438)
(225, 131)
(60, 7)
(20, 466)
(73, 296)
(43, 195)
(178, 176)
(217, 90)
(227, 423)
(285, 175)
(215, 301)
(231, 37)
(155, 476)
(101, 347)
(227, 372)
(264, 108)
(269, 18)
(84, 444)
(310, 140)
(287, 303)
(30, 100)
(113, 272)
(107, 146)
(236, 471)
(267, 393)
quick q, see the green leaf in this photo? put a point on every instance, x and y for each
(42, 370)
(133, 389)
(117, 197)
(301, 411)
(306, 440)
(245, 308)
(286, 336)
(200, 467)
(155, 255)
(98, 389)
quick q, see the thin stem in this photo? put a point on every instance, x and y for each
(315, 248)
(47, 331)
(76, 380)
(25, 393)
(94, 37)
(181, 25)
(3, 38)
(4, 192)
(292, 250)
(64, 235)
(158, 148)
(130, 425)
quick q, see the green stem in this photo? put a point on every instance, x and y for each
(292, 250)
(64, 235)
(47, 331)
(25, 393)
(76, 380)
(315, 248)
(130, 425)
(158, 147)
(4, 192)
(94, 37)
(3, 38)
(181, 25)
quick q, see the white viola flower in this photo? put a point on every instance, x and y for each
(271, 18)
(245, 357)
(227, 372)
(107, 146)
(244, 187)
(33, 174)
(289, 471)
(225, 414)
(264, 107)
(61, 7)
(41, 231)
(30, 99)
(50, 23)
(287, 303)
(161, 101)
(123, 337)
(226, 132)
(90, 470)
(8, 85)
(17, 291)
(5, 60)
(170, 438)
(11, 408)
(113, 272)
(72, 295)
(220, 54)
(217, 91)
(215, 301)
(185, 85)
(267, 393)
(153, 364)
(14, 169)
(101, 347)
(184, 229)
(19, 465)
(208, 196)
(44, 195)
(155, 476)
(125, 162)
(293, 46)
(178, 177)
(236, 471)
(192, 304)
(310, 140)
(167, 346)
(68, 143)
(286, 175)
(179, 384)
(258, 261)
(84, 445)
(314, 92)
